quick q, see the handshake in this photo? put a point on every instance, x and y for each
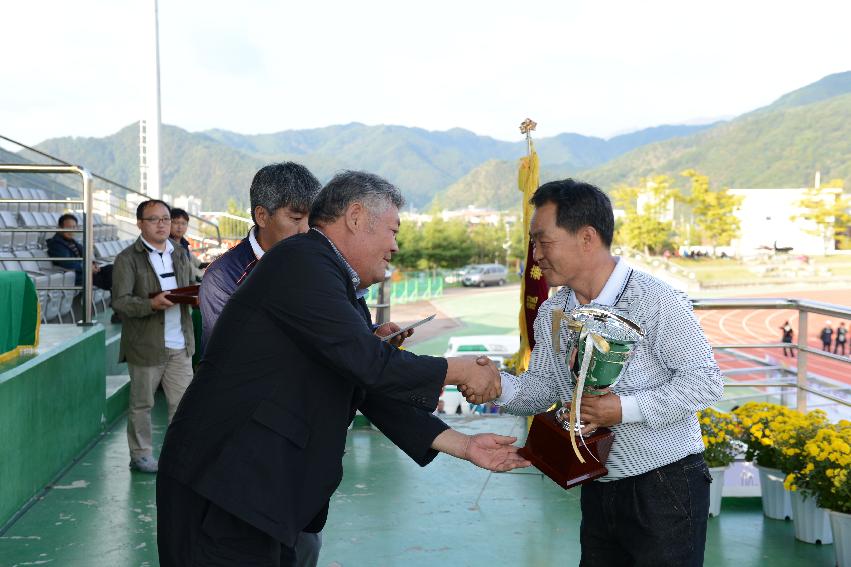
(478, 379)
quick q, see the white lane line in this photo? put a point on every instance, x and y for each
(724, 331)
(759, 338)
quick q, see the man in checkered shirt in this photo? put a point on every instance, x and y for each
(652, 507)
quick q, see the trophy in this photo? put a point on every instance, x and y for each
(605, 343)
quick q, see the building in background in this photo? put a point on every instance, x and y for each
(766, 223)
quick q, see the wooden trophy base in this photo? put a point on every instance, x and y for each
(187, 295)
(548, 447)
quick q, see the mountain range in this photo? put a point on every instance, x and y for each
(780, 145)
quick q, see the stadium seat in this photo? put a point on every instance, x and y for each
(10, 220)
(27, 219)
(4, 194)
(15, 193)
(50, 300)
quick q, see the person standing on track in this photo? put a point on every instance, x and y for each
(826, 336)
(788, 337)
(841, 338)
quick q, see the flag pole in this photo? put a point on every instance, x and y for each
(526, 127)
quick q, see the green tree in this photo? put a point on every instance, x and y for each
(235, 209)
(713, 211)
(646, 224)
(409, 240)
(827, 208)
(517, 241)
(446, 244)
(487, 242)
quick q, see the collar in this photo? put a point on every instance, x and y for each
(169, 247)
(352, 273)
(614, 287)
(255, 246)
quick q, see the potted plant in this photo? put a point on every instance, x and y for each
(758, 425)
(720, 433)
(791, 434)
(828, 459)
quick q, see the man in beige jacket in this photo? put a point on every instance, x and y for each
(157, 341)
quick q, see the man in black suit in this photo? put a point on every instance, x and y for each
(255, 451)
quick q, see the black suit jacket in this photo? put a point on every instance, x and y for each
(262, 427)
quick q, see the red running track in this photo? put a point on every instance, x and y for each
(730, 326)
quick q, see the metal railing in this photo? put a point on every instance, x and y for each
(200, 229)
(88, 224)
(801, 384)
(231, 226)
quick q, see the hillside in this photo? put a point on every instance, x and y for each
(780, 147)
(191, 163)
(823, 89)
(492, 185)
(217, 164)
(782, 144)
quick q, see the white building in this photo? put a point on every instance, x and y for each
(766, 223)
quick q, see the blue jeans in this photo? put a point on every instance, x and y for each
(657, 518)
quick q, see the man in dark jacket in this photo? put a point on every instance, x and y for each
(281, 195)
(64, 245)
(179, 226)
(255, 450)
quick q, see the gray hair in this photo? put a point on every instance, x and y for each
(347, 187)
(279, 185)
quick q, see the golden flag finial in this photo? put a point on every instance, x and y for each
(527, 126)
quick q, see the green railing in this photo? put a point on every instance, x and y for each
(411, 288)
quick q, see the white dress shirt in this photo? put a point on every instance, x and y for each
(672, 375)
(255, 246)
(164, 268)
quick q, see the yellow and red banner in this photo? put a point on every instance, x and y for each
(533, 286)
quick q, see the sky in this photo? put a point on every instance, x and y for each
(599, 68)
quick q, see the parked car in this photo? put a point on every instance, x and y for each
(457, 276)
(485, 274)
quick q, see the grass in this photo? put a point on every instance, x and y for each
(770, 269)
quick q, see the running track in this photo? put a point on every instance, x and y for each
(730, 326)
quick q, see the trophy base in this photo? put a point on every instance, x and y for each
(548, 447)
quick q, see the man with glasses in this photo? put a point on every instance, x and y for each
(157, 340)
(179, 226)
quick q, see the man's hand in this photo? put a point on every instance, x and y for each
(160, 303)
(389, 329)
(483, 383)
(494, 452)
(95, 268)
(487, 450)
(600, 411)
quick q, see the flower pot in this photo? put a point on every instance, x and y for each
(812, 524)
(715, 490)
(776, 501)
(841, 525)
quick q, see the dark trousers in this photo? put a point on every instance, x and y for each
(192, 531)
(654, 519)
(839, 346)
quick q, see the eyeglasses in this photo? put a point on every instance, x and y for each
(158, 220)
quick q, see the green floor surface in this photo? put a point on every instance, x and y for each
(489, 312)
(387, 512)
